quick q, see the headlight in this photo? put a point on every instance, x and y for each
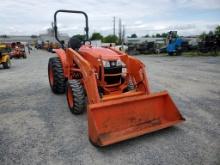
(112, 63)
(119, 63)
(106, 63)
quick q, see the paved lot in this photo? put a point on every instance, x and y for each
(36, 126)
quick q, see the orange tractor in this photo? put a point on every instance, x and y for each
(119, 102)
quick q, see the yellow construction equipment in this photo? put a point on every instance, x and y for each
(4, 56)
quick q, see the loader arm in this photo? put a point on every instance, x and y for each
(88, 73)
(137, 70)
(62, 56)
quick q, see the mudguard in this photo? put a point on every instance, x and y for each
(62, 55)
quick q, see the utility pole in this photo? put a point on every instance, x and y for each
(119, 31)
(51, 30)
(123, 34)
(52, 25)
(114, 25)
(123, 38)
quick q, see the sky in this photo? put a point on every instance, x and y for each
(188, 17)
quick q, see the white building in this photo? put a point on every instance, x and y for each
(51, 38)
(32, 39)
(24, 39)
(140, 40)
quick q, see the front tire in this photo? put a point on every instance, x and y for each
(75, 97)
(170, 53)
(56, 76)
(130, 86)
(24, 56)
(7, 64)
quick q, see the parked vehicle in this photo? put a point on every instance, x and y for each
(4, 57)
(119, 102)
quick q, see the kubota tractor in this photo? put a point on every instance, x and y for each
(119, 102)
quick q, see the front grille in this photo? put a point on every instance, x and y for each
(113, 70)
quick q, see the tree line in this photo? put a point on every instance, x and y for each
(114, 39)
(215, 33)
(98, 36)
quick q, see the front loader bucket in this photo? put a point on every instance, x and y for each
(120, 119)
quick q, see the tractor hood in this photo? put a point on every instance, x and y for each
(99, 52)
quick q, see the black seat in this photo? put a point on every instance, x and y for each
(74, 43)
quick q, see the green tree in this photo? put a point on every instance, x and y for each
(164, 35)
(158, 35)
(217, 30)
(211, 33)
(80, 37)
(33, 36)
(110, 39)
(147, 35)
(96, 36)
(134, 35)
(4, 36)
(203, 35)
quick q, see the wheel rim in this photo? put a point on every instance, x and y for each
(51, 77)
(70, 97)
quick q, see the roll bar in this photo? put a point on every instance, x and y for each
(70, 11)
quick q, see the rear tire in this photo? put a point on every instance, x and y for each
(76, 97)
(56, 76)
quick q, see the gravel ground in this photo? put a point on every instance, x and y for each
(36, 126)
